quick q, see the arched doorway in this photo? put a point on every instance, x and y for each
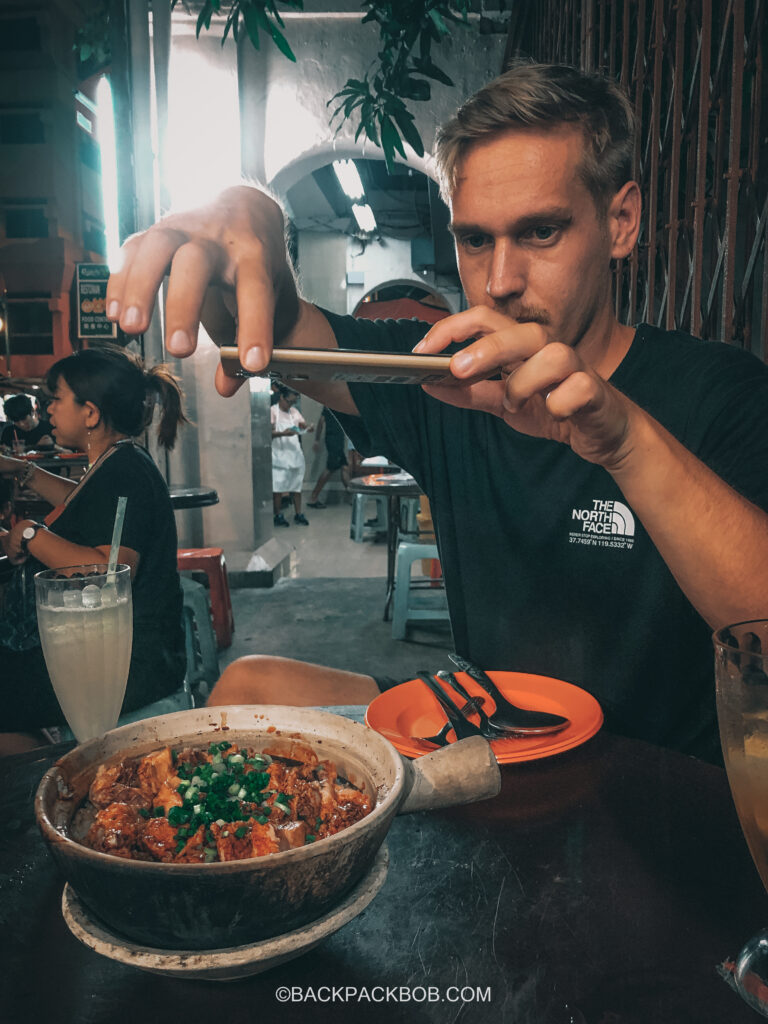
(403, 300)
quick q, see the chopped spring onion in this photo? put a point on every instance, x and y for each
(225, 833)
(197, 808)
(209, 855)
(234, 788)
(241, 793)
(220, 822)
(235, 759)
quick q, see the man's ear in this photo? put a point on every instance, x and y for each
(624, 219)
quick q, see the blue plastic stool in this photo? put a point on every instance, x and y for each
(358, 525)
(416, 600)
(199, 641)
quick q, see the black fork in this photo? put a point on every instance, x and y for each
(461, 725)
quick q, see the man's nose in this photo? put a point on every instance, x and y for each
(506, 277)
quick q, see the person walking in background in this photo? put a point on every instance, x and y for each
(287, 457)
(330, 431)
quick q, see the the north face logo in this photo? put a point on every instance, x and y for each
(605, 524)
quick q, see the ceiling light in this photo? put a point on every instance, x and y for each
(364, 216)
(349, 178)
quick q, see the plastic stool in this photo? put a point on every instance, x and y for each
(409, 604)
(199, 640)
(358, 524)
(409, 524)
(211, 562)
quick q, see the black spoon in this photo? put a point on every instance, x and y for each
(508, 715)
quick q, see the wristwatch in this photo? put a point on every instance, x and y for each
(29, 532)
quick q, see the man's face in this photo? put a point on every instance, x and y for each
(529, 239)
(28, 422)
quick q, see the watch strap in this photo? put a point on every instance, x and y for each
(33, 527)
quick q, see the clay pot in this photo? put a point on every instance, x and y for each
(209, 906)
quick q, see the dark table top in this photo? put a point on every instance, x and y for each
(603, 886)
(193, 497)
(401, 484)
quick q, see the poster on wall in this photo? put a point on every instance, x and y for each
(91, 287)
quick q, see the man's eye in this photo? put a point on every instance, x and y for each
(543, 233)
(475, 241)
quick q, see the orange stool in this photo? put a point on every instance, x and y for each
(211, 562)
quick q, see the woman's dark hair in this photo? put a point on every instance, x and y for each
(124, 392)
(17, 407)
(286, 392)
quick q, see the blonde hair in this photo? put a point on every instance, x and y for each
(533, 95)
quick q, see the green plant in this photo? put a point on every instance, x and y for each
(252, 15)
(403, 70)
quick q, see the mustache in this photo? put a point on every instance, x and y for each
(526, 314)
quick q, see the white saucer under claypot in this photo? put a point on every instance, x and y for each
(222, 964)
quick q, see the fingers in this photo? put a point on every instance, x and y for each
(484, 396)
(468, 324)
(544, 374)
(191, 271)
(255, 293)
(578, 393)
(225, 385)
(132, 290)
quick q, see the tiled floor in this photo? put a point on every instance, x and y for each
(330, 610)
(324, 548)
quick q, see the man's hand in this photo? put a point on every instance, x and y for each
(546, 388)
(234, 246)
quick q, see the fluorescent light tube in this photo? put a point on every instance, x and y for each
(349, 178)
(364, 217)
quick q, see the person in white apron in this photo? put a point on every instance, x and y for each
(287, 457)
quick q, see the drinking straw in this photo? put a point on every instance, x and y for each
(117, 532)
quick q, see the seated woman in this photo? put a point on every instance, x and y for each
(103, 399)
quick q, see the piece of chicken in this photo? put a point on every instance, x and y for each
(118, 783)
(291, 835)
(116, 829)
(158, 838)
(154, 770)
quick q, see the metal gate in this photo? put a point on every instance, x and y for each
(696, 73)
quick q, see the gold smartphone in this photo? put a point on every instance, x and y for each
(349, 365)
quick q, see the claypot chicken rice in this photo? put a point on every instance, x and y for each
(222, 803)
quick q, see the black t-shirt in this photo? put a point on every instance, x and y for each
(149, 528)
(30, 438)
(547, 570)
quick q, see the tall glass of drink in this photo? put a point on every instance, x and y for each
(85, 618)
(741, 676)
